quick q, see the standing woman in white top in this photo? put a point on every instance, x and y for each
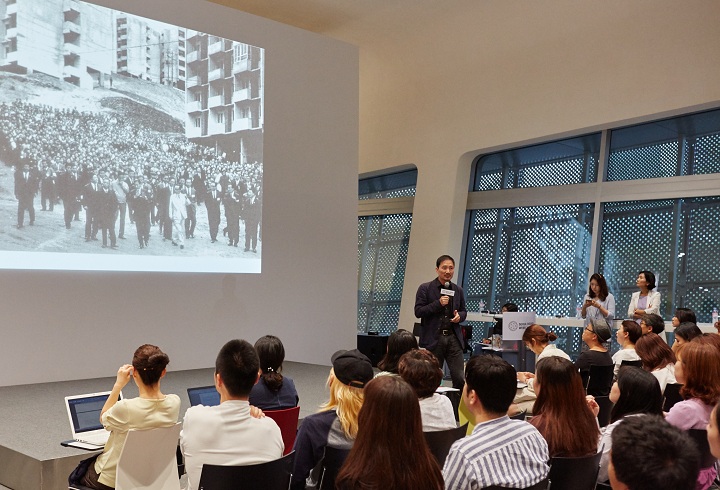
(646, 300)
(598, 302)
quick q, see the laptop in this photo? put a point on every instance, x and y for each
(84, 414)
(204, 395)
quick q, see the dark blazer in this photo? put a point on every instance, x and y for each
(430, 312)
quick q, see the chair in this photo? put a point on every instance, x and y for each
(699, 437)
(603, 486)
(273, 475)
(600, 380)
(440, 441)
(147, 460)
(605, 408)
(574, 473)
(626, 362)
(542, 485)
(287, 420)
(520, 415)
(671, 396)
(332, 461)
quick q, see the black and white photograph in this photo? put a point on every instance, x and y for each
(127, 144)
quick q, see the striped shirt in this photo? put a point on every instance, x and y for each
(501, 451)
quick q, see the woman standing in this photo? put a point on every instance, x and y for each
(598, 302)
(646, 300)
(151, 409)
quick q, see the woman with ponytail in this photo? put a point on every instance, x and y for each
(273, 391)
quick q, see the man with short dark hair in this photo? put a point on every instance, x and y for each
(481, 459)
(650, 454)
(227, 434)
(440, 305)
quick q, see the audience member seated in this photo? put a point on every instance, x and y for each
(646, 300)
(628, 333)
(683, 315)
(390, 450)
(650, 454)
(336, 424)
(698, 368)
(538, 341)
(274, 391)
(421, 370)
(684, 333)
(228, 434)
(149, 410)
(710, 339)
(650, 322)
(713, 431)
(594, 335)
(636, 392)
(399, 342)
(563, 414)
(481, 459)
(658, 358)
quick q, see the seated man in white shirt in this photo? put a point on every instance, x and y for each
(227, 434)
(481, 459)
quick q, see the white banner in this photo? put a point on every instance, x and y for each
(515, 323)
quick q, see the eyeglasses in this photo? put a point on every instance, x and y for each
(588, 329)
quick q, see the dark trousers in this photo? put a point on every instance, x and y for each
(24, 204)
(448, 350)
(251, 234)
(70, 208)
(91, 227)
(214, 223)
(47, 199)
(111, 231)
(142, 223)
(190, 221)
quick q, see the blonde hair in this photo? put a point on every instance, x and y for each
(346, 401)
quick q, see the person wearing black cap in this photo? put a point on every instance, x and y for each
(336, 424)
(440, 305)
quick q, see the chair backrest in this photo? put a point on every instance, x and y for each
(147, 460)
(605, 408)
(273, 475)
(541, 485)
(627, 362)
(574, 473)
(600, 380)
(440, 441)
(331, 463)
(671, 396)
(699, 437)
(287, 420)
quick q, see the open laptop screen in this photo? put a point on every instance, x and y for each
(85, 411)
(204, 395)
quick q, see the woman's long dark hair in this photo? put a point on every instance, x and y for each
(271, 352)
(639, 393)
(390, 450)
(400, 342)
(561, 412)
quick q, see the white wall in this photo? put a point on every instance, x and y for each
(63, 325)
(481, 76)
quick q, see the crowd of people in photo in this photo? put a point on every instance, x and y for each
(120, 173)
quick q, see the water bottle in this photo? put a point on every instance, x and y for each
(578, 311)
(715, 315)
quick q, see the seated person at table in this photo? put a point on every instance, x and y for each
(650, 322)
(628, 333)
(227, 434)
(421, 370)
(657, 358)
(399, 342)
(594, 336)
(481, 459)
(684, 333)
(650, 454)
(274, 391)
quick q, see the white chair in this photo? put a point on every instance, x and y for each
(147, 460)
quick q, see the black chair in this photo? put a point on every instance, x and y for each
(603, 486)
(671, 396)
(605, 408)
(440, 441)
(627, 362)
(574, 473)
(274, 475)
(699, 437)
(542, 485)
(600, 380)
(332, 461)
(520, 415)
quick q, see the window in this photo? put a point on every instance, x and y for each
(219, 117)
(383, 242)
(197, 122)
(240, 52)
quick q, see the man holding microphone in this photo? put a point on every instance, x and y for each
(440, 305)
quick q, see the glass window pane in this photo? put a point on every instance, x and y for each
(399, 184)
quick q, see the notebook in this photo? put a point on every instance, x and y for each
(84, 414)
(204, 395)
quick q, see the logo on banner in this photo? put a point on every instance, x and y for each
(513, 326)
